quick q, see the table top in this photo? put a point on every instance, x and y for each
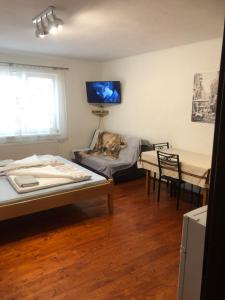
(186, 157)
(195, 166)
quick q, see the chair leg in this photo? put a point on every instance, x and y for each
(199, 197)
(178, 196)
(159, 187)
(175, 189)
(183, 190)
(192, 194)
(171, 189)
(154, 181)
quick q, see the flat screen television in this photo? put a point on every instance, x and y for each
(103, 92)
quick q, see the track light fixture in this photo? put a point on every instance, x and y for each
(47, 22)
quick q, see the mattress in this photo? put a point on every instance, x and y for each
(9, 195)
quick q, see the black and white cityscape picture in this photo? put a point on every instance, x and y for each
(205, 97)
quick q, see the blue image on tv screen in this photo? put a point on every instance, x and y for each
(103, 92)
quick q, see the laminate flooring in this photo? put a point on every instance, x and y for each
(79, 252)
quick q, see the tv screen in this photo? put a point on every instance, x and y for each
(100, 92)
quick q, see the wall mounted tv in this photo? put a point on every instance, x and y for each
(103, 92)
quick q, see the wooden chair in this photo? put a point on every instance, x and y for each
(159, 146)
(170, 170)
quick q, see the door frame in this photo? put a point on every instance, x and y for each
(213, 276)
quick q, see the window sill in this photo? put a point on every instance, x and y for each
(32, 140)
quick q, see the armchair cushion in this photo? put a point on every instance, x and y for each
(109, 144)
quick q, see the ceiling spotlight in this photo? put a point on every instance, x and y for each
(47, 22)
(59, 23)
(41, 30)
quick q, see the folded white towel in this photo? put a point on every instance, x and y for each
(26, 181)
(63, 171)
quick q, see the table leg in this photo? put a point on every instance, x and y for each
(147, 182)
(205, 196)
(110, 203)
(154, 182)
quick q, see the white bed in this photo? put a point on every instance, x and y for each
(14, 204)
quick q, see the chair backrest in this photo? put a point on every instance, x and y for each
(161, 146)
(169, 165)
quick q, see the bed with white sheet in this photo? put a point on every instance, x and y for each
(51, 192)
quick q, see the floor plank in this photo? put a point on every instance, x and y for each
(80, 252)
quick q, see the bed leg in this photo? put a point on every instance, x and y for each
(110, 203)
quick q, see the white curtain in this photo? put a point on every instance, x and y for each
(32, 104)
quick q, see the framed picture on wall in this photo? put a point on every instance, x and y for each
(205, 97)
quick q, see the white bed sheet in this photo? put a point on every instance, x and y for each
(9, 195)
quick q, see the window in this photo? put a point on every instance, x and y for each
(32, 104)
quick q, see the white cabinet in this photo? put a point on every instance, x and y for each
(191, 254)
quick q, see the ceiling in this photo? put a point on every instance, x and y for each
(108, 29)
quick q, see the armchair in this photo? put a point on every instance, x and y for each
(121, 168)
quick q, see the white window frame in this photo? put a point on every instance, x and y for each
(58, 113)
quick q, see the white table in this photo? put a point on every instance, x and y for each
(195, 167)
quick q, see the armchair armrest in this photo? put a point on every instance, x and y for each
(76, 151)
(145, 148)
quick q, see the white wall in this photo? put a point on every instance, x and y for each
(157, 94)
(81, 122)
(156, 98)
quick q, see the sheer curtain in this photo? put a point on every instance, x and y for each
(32, 104)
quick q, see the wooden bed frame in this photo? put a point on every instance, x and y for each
(45, 202)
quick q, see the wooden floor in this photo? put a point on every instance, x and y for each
(79, 252)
